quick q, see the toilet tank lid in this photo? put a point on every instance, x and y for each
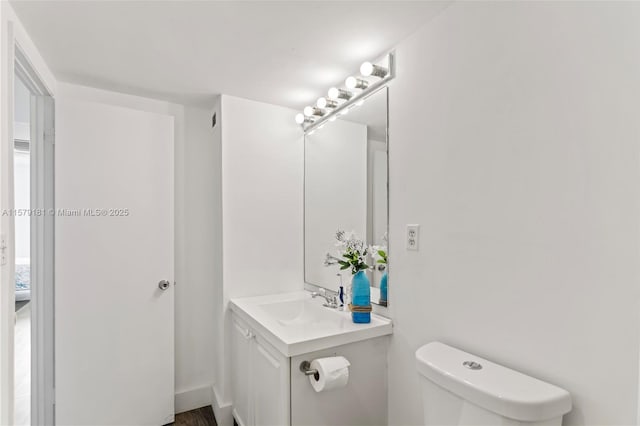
(493, 387)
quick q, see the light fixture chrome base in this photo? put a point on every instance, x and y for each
(353, 98)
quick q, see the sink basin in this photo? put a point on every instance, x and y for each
(298, 313)
(302, 313)
(295, 323)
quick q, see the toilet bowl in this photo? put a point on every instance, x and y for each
(462, 389)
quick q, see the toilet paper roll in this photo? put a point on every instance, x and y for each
(333, 373)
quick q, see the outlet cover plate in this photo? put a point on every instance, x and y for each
(413, 237)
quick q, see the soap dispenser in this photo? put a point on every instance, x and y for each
(341, 295)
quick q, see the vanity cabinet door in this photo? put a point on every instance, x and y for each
(270, 384)
(241, 340)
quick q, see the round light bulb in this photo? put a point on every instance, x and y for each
(366, 69)
(322, 102)
(308, 111)
(334, 93)
(299, 118)
(351, 82)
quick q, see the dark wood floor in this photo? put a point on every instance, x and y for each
(198, 417)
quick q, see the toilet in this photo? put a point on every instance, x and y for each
(462, 389)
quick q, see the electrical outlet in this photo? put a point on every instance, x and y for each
(413, 237)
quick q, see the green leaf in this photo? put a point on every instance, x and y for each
(343, 267)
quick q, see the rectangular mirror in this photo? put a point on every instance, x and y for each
(346, 188)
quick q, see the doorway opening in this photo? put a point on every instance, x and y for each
(33, 211)
(22, 200)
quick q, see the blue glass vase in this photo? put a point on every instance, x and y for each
(383, 289)
(360, 296)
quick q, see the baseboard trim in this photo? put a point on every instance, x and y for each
(222, 410)
(236, 419)
(194, 398)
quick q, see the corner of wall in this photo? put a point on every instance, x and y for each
(221, 410)
(261, 175)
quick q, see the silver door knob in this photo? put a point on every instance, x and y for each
(163, 285)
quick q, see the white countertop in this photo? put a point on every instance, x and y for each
(294, 323)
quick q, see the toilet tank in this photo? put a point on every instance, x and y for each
(463, 389)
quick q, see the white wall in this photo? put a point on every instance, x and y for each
(218, 298)
(21, 110)
(22, 174)
(22, 194)
(262, 167)
(514, 144)
(262, 171)
(200, 260)
(335, 195)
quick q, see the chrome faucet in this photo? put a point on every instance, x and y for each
(330, 297)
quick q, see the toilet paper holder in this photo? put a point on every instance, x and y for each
(305, 367)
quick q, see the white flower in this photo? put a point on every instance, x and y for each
(375, 249)
(353, 250)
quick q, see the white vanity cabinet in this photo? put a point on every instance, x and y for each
(272, 335)
(260, 379)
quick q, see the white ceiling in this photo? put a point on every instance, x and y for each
(286, 53)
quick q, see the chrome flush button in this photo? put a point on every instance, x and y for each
(472, 365)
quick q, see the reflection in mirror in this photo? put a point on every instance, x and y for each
(346, 188)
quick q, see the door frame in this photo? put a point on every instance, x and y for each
(7, 267)
(42, 277)
(13, 37)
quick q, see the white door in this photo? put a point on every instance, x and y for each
(114, 354)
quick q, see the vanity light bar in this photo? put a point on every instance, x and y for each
(328, 108)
